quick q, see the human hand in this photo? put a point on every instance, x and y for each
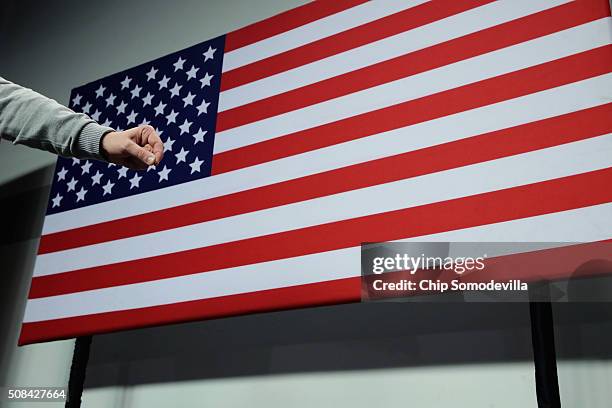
(136, 148)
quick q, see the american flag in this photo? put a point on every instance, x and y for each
(292, 141)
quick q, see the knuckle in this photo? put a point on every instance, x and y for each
(147, 129)
(125, 145)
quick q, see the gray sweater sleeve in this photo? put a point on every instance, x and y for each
(29, 118)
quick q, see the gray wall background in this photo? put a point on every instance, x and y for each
(394, 354)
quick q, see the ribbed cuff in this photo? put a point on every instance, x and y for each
(88, 142)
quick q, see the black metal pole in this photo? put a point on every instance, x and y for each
(543, 341)
(77, 371)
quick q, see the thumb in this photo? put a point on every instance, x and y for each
(140, 153)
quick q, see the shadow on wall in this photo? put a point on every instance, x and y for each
(344, 337)
(23, 203)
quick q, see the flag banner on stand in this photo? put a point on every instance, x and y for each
(292, 141)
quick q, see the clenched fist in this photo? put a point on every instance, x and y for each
(136, 148)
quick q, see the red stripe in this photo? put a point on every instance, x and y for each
(550, 264)
(317, 294)
(484, 41)
(508, 204)
(519, 83)
(519, 139)
(335, 44)
(286, 21)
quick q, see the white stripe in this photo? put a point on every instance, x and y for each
(316, 30)
(559, 161)
(541, 105)
(382, 50)
(520, 56)
(579, 225)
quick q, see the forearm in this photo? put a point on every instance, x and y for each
(29, 118)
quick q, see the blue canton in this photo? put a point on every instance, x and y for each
(178, 95)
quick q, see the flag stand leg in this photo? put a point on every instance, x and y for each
(543, 342)
(542, 338)
(77, 371)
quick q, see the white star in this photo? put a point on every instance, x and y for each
(179, 64)
(75, 161)
(61, 175)
(203, 108)
(76, 100)
(122, 172)
(147, 99)
(171, 118)
(111, 164)
(136, 92)
(151, 168)
(209, 54)
(56, 200)
(145, 121)
(96, 115)
(188, 100)
(72, 184)
(100, 91)
(192, 72)
(168, 145)
(164, 82)
(86, 108)
(195, 165)
(126, 82)
(182, 156)
(185, 127)
(151, 74)
(108, 187)
(163, 175)
(159, 110)
(81, 194)
(108, 123)
(175, 90)
(85, 167)
(135, 181)
(199, 136)
(96, 178)
(121, 107)
(131, 118)
(110, 100)
(205, 80)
